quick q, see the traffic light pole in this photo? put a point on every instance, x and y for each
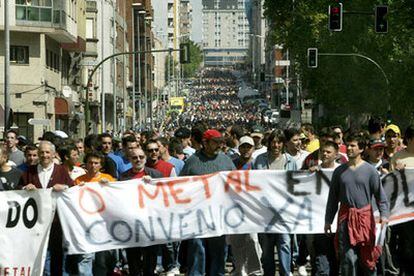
(87, 107)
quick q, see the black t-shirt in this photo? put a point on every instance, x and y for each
(9, 180)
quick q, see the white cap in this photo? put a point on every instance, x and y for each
(61, 134)
(246, 140)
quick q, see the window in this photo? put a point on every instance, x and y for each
(52, 60)
(19, 54)
(90, 28)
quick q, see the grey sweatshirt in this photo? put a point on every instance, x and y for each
(355, 187)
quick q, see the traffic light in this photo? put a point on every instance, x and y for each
(381, 21)
(184, 53)
(312, 57)
(335, 17)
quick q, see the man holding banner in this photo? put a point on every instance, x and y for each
(353, 186)
(43, 176)
(275, 159)
(207, 161)
(148, 254)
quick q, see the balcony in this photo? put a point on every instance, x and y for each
(54, 22)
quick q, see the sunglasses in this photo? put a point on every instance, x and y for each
(153, 150)
(138, 156)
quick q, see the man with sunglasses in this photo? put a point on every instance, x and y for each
(147, 265)
(155, 162)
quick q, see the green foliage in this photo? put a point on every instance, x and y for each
(196, 58)
(350, 85)
(189, 69)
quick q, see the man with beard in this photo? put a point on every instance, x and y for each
(206, 161)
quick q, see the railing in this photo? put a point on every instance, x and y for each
(41, 16)
(33, 13)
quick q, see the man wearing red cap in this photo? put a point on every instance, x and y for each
(206, 161)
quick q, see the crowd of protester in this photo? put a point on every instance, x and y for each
(214, 100)
(222, 144)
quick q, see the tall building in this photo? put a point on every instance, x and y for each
(225, 32)
(106, 34)
(186, 19)
(45, 42)
(141, 39)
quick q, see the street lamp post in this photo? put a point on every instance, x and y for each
(139, 67)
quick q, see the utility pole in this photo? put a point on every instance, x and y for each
(103, 119)
(6, 68)
(115, 78)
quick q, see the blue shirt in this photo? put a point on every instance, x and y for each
(177, 163)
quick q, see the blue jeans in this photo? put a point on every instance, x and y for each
(349, 255)
(268, 243)
(324, 261)
(206, 256)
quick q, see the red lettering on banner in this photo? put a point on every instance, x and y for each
(159, 187)
(204, 180)
(24, 271)
(235, 178)
(174, 191)
(247, 182)
(98, 196)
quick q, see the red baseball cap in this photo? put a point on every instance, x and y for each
(212, 134)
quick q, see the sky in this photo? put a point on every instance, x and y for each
(196, 32)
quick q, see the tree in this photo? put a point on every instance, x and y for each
(348, 85)
(196, 58)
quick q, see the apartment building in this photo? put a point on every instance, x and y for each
(106, 35)
(225, 32)
(43, 74)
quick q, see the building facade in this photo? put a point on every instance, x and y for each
(225, 32)
(44, 77)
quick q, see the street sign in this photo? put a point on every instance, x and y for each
(282, 63)
(38, 122)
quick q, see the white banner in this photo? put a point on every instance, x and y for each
(128, 214)
(25, 221)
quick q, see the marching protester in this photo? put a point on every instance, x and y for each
(207, 255)
(141, 260)
(45, 175)
(9, 176)
(402, 240)
(275, 159)
(31, 156)
(392, 140)
(104, 261)
(245, 247)
(70, 155)
(15, 155)
(216, 132)
(353, 185)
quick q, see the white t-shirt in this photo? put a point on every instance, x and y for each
(259, 151)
